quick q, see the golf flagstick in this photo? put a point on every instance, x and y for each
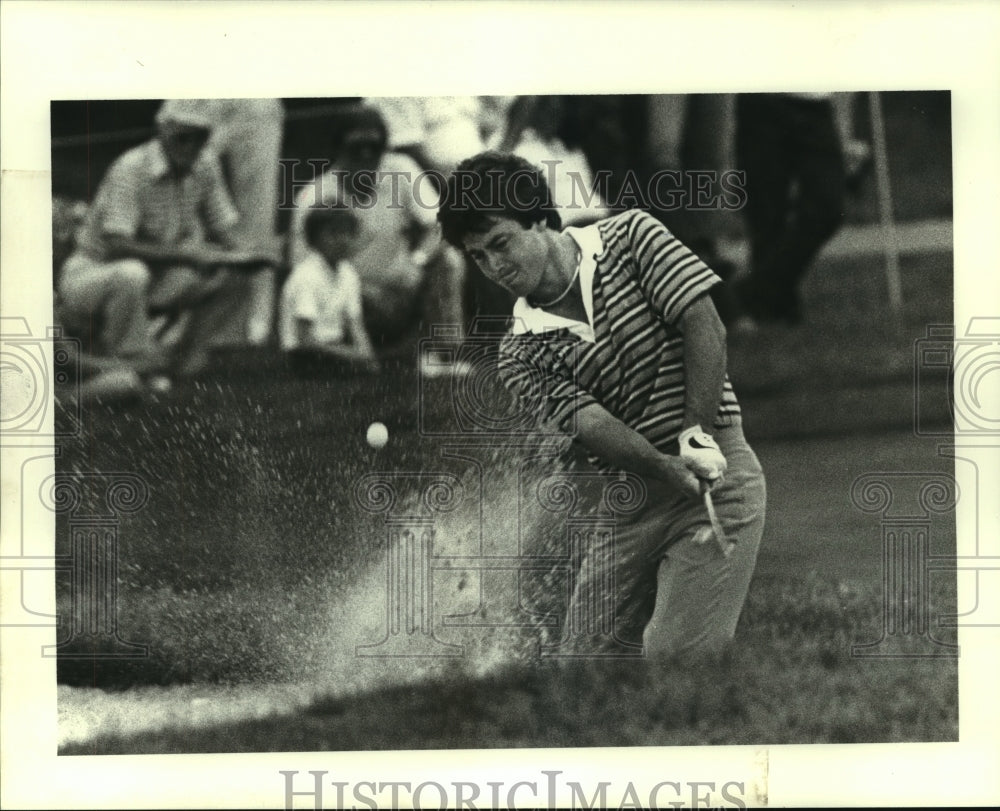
(890, 239)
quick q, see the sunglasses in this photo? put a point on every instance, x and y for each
(189, 137)
(366, 145)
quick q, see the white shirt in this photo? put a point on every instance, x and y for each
(537, 320)
(325, 297)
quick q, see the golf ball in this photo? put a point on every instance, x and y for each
(160, 384)
(378, 435)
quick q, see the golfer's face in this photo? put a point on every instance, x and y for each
(510, 254)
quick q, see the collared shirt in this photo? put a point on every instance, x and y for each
(636, 279)
(536, 320)
(326, 297)
(139, 198)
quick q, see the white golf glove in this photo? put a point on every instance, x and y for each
(702, 455)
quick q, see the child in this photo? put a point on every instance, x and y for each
(321, 326)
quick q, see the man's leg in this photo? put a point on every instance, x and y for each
(667, 113)
(209, 298)
(444, 307)
(653, 573)
(761, 152)
(444, 303)
(250, 143)
(115, 295)
(812, 154)
(700, 592)
(818, 208)
(708, 147)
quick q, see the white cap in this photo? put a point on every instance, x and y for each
(189, 112)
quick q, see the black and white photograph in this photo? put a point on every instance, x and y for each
(599, 436)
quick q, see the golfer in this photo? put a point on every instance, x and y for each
(614, 332)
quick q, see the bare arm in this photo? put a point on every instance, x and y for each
(361, 341)
(203, 255)
(122, 247)
(705, 369)
(617, 444)
(704, 362)
(517, 119)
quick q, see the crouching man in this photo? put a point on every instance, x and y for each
(157, 244)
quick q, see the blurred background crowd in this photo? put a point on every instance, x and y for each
(182, 228)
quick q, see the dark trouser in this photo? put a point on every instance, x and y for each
(795, 183)
(391, 318)
(311, 364)
(396, 317)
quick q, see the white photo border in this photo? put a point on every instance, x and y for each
(77, 50)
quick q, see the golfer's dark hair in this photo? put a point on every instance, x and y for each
(337, 217)
(491, 185)
(353, 118)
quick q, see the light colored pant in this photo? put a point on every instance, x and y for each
(671, 593)
(446, 283)
(112, 301)
(391, 312)
(248, 139)
(107, 303)
(695, 132)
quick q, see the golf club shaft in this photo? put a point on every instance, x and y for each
(720, 535)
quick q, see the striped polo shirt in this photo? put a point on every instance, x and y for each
(139, 198)
(637, 279)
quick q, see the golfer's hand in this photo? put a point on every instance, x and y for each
(702, 455)
(676, 472)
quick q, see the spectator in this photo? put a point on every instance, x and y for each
(246, 135)
(157, 238)
(437, 132)
(857, 151)
(603, 128)
(101, 378)
(694, 133)
(407, 275)
(321, 321)
(495, 119)
(566, 170)
(788, 145)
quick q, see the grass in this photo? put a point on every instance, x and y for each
(789, 678)
(849, 338)
(252, 566)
